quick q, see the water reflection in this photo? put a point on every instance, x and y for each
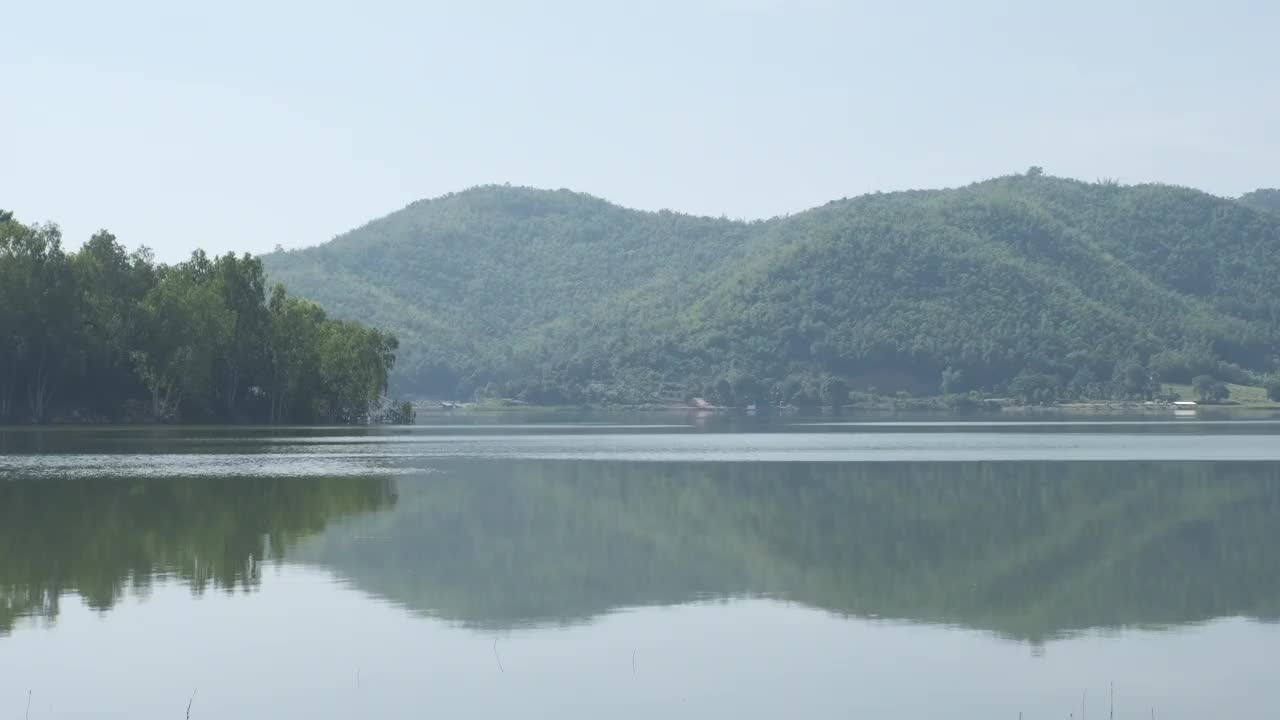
(102, 538)
(1029, 551)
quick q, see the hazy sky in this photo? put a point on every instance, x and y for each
(240, 125)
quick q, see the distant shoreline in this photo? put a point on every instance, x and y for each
(936, 404)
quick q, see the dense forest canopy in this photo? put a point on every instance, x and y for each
(103, 334)
(1263, 199)
(1036, 286)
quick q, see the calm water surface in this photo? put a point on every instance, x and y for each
(647, 566)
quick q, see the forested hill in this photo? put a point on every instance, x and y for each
(1046, 286)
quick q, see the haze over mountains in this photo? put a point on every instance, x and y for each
(1093, 289)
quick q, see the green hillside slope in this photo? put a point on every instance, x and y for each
(1087, 289)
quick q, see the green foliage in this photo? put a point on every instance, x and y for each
(1210, 389)
(104, 334)
(835, 393)
(802, 391)
(1266, 199)
(354, 361)
(1033, 388)
(1109, 288)
(1135, 381)
(952, 381)
(185, 326)
(747, 390)
(400, 413)
(1273, 390)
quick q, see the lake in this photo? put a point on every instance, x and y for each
(645, 565)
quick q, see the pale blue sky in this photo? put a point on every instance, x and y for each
(240, 125)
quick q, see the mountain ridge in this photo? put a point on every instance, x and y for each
(565, 297)
(1266, 199)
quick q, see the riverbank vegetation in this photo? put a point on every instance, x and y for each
(102, 334)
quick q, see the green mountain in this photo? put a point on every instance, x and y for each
(1083, 289)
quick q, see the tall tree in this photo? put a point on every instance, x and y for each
(9, 339)
(292, 348)
(354, 364)
(112, 285)
(241, 283)
(835, 393)
(186, 324)
(41, 313)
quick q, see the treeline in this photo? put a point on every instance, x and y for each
(102, 334)
(1267, 199)
(1128, 381)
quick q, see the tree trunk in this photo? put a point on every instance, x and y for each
(38, 394)
(279, 399)
(164, 401)
(233, 387)
(8, 379)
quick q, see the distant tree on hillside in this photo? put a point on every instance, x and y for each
(835, 393)
(952, 381)
(1136, 381)
(722, 394)
(1034, 388)
(747, 390)
(1266, 199)
(1209, 389)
